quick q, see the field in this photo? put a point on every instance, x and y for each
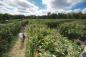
(45, 38)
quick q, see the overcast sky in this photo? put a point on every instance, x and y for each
(41, 7)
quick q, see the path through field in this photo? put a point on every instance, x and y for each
(16, 51)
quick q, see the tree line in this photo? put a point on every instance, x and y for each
(48, 16)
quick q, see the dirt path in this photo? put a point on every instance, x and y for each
(16, 51)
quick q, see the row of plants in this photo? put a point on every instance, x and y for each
(73, 30)
(7, 35)
(45, 42)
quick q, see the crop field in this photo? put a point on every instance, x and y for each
(45, 38)
(8, 33)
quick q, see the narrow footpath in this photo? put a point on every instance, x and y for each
(16, 51)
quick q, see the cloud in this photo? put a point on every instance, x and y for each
(62, 6)
(59, 4)
(77, 10)
(17, 6)
(73, 1)
(42, 12)
(84, 11)
(26, 7)
(54, 4)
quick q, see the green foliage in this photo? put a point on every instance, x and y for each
(49, 15)
(49, 42)
(7, 33)
(73, 30)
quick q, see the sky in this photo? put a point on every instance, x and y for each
(41, 7)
